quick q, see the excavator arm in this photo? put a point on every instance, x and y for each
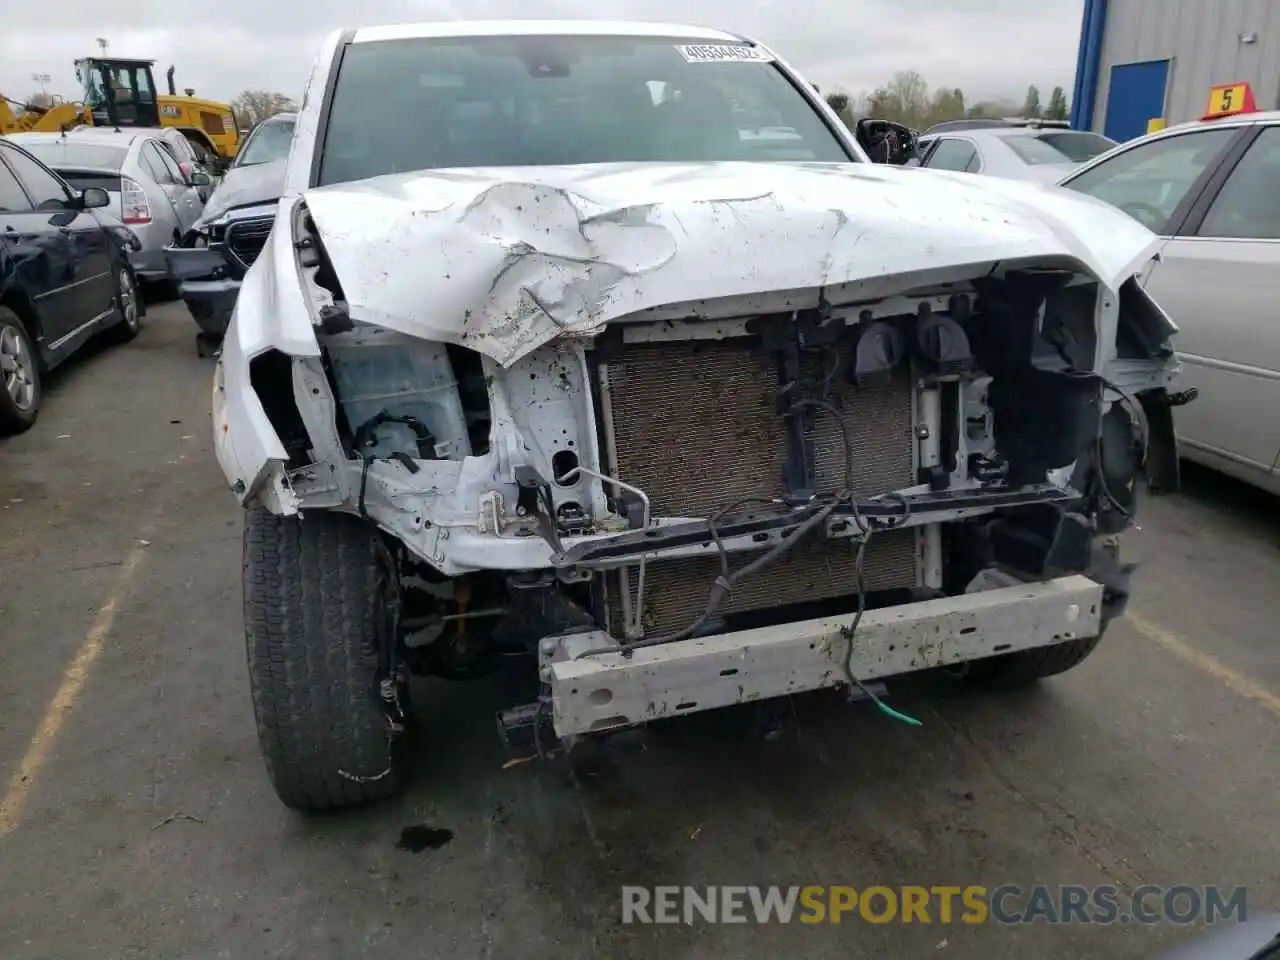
(37, 119)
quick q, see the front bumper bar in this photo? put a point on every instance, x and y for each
(208, 281)
(612, 690)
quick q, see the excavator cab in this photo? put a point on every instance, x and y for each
(119, 92)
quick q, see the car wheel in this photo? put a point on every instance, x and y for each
(311, 605)
(19, 376)
(127, 302)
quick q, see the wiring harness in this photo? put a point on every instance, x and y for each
(819, 511)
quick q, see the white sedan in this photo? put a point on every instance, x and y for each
(1211, 190)
(1044, 154)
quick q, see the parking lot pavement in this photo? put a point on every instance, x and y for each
(137, 821)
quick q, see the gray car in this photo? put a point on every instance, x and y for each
(211, 259)
(1212, 191)
(149, 192)
(190, 159)
(1042, 154)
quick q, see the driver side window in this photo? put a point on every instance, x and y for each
(1248, 208)
(162, 165)
(45, 190)
(1149, 181)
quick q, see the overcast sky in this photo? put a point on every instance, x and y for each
(220, 47)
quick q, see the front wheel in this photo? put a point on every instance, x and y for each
(19, 376)
(312, 605)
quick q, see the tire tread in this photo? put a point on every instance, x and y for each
(309, 609)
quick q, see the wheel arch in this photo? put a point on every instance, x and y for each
(16, 299)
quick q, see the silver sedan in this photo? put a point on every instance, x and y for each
(149, 191)
(1043, 154)
(1212, 191)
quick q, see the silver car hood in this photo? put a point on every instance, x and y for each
(245, 186)
(505, 260)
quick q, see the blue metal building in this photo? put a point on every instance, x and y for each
(1154, 60)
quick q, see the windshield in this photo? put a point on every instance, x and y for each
(127, 82)
(404, 105)
(1034, 151)
(1078, 145)
(269, 142)
(67, 154)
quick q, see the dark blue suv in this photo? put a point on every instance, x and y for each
(64, 276)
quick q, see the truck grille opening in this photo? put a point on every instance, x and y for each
(246, 238)
(696, 426)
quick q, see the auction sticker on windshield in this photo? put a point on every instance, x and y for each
(722, 53)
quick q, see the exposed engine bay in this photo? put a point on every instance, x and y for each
(680, 478)
(705, 468)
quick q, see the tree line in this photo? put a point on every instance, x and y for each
(254, 106)
(907, 99)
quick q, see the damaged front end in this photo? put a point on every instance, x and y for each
(209, 262)
(719, 444)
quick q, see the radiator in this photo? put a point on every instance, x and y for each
(696, 426)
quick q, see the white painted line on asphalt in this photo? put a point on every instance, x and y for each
(1185, 650)
(64, 701)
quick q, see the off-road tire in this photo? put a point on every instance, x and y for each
(1028, 666)
(310, 608)
(12, 419)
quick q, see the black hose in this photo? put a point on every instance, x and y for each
(724, 585)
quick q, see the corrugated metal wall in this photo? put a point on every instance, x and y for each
(1202, 39)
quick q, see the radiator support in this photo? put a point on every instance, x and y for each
(701, 425)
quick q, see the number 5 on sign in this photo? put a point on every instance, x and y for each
(1227, 99)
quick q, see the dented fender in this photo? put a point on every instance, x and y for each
(271, 313)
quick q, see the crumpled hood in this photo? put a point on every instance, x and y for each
(244, 186)
(505, 260)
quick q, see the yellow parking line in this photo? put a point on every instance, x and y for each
(64, 700)
(1211, 665)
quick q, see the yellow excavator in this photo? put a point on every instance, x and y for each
(122, 93)
(32, 118)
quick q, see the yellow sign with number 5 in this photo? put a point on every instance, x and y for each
(1227, 99)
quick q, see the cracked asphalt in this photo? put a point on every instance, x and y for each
(137, 821)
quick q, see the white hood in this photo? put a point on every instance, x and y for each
(505, 260)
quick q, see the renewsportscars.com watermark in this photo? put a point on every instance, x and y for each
(1008, 904)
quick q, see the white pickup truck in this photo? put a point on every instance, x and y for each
(570, 368)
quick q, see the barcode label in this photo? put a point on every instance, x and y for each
(722, 53)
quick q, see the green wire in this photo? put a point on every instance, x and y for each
(884, 708)
(897, 714)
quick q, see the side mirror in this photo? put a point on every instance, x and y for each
(912, 162)
(199, 178)
(94, 198)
